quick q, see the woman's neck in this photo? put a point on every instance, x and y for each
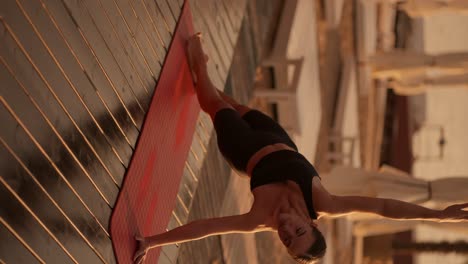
(287, 199)
(283, 206)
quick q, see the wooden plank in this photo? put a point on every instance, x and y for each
(184, 197)
(220, 21)
(80, 84)
(51, 147)
(175, 8)
(158, 21)
(203, 136)
(231, 15)
(53, 217)
(56, 195)
(226, 22)
(92, 14)
(151, 30)
(171, 252)
(32, 231)
(28, 78)
(197, 148)
(117, 75)
(138, 50)
(45, 174)
(205, 119)
(136, 35)
(13, 250)
(180, 212)
(94, 67)
(163, 259)
(190, 186)
(193, 161)
(236, 9)
(167, 14)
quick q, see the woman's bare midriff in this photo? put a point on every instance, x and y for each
(253, 161)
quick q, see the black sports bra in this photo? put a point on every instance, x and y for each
(286, 165)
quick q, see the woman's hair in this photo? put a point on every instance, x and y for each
(315, 252)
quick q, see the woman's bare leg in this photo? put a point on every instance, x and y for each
(242, 109)
(207, 94)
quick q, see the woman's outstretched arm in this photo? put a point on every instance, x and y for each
(334, 205)
(196, 230)
(395, 209)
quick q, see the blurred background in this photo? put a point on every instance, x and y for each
(374, 93)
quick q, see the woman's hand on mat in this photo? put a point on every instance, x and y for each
(455, 213)
(142, 249)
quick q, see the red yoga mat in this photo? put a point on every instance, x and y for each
(152, 181)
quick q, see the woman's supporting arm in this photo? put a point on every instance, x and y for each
(202, 228)
(395, 209)
(196, 230)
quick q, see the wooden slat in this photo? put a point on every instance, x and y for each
(32, 231)
(175, 9)
(197, 148)
(218, 20)
(230, 14)
(190, 185)
(38, 187)
(24, 110)
(193, 161)
(236, 12)
(80, 85)
(136, 39)
(158, 22)
(145, 65)
(226, 22)
(206, 122)
(11, 242)
(167, 14)
(23, 72)
(152, 34)
(91, 14)
(44, 175)
(203, 136)
(46, 144)
(53, 217)
(99, 70)
(33, 83)
(163, 259)
(151, 30)
(109, 56)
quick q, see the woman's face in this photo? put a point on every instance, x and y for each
(295, 233)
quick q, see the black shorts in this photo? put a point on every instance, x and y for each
(240, 137)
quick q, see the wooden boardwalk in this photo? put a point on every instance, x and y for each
(76, 81)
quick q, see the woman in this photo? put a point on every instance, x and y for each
(288, 196)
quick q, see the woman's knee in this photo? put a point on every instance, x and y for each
(215, 106)
(242, 109)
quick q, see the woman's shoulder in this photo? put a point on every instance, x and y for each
(321, 198)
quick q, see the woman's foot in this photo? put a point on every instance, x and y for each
(208, 97)
(196, 56)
